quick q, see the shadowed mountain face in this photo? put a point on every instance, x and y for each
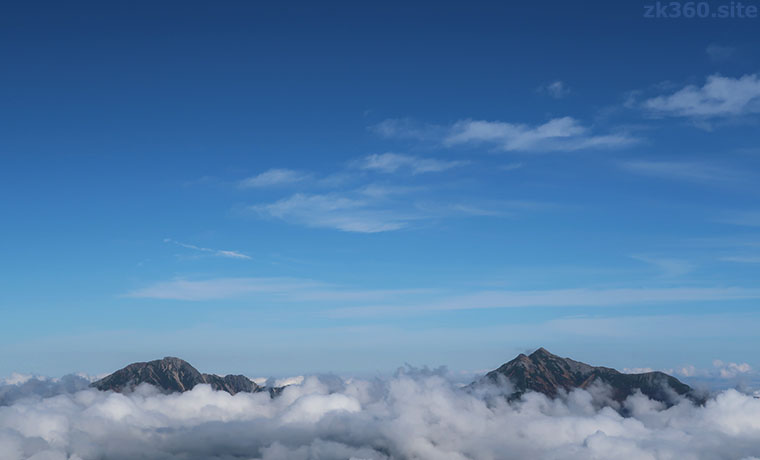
(174, 375)
(549, 374)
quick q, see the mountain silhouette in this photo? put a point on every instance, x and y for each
(546, 373)
(173, 375)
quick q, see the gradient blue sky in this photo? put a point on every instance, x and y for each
(347, 187)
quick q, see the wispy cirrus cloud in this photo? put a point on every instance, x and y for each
(392, 162)
(213, 252)
(668, 267)
(558, 134)
(277, 288)
(379, 208)
(718, 97)
(407, 128)
(580, 297)
(348, 301)
(221, 288)
(336, 211)
(564, 134)
(686, 171)
(742, 259)
(274, 177)
(742, 218)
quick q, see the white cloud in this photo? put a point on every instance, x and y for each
(381, 207)
(558, 134)
(721, 370)
(17, 379)
(215, 252)
(335, 211)
(556, 89)
(718, 97)
(686, 170)
(685, 371)
(413, 415)
(731, 370)
(274, 177)
(392, 162)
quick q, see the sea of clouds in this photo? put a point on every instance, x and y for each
(412, 415)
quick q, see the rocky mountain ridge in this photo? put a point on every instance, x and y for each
(541, 371)
(173, 375)
(546, 373)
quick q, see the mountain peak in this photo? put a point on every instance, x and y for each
(171, 375)
(542, 353)
(546, 373)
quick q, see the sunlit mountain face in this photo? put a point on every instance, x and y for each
(298, 198)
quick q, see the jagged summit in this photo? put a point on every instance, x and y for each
(172, 375)
(547, 373)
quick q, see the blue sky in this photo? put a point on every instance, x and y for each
(277, 189)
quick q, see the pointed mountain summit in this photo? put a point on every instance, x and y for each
(173, 375)
(546, 373)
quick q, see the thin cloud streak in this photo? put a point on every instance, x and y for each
(741, 218)
(581, 297)
(670, 268)
(279, 289)
(742, 259)
(274, 177)
(686, 171)
(214, 252)
(221, 288)
(563, 134)
(336, 211)
(393, 162)
(558, 134)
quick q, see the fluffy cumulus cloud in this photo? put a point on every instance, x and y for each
(731, 370)
(417, 415)
(718, 97)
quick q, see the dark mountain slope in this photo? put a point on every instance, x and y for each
(550, 374)
(175, 375)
